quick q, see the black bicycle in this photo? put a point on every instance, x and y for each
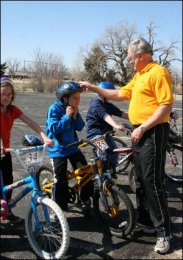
(173, 165)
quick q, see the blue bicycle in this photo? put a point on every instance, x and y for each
(48, 236)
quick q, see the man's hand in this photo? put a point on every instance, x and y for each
(86, 85)
(137, 134)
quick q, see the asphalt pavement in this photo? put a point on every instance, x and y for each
(87, 238)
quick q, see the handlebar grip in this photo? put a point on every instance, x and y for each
(129, 127)
(75, 143)
(112, 132)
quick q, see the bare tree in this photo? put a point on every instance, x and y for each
(13, 66)
(47, 71)
(114, 44)
(165, 53)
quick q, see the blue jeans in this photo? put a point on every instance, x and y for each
(107, 155)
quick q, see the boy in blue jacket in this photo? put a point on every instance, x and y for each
(63, 120)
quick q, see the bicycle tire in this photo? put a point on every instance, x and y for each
(121, 167)
(173, 172)
(45, 174)
(52, 241)
(44, 179)
(122, 223)
(131, 179)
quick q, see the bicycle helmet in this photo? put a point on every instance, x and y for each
(7, 80)
(106, 85)
(67, 89)
(31, 140)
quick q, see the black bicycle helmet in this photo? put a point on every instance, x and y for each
(67, 89)
(31, 140)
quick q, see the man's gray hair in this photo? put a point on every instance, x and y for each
(140, 46)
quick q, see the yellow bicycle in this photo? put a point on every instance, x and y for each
(112, 206)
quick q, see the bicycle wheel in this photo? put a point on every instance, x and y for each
(121, 167)
(51, 241)
(131, 179)
(44, 179)
(173, 165)
(121, 219)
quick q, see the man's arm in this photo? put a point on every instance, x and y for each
(32, 124)
(107, 93)
(155, 119)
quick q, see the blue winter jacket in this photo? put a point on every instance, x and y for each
(61, 128)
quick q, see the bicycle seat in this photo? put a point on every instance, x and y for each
(174, 137)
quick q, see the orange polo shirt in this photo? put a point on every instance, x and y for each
(7, 120)
(149, 88)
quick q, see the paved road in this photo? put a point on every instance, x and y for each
(87, 239)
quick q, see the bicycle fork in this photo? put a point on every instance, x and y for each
(101, 192)
(104, 192)
(36, 198)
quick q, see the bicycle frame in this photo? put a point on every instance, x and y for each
(82, 175)
(30, 181)
(92, 171)
(127, 150)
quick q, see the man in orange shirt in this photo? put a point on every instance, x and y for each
(151, 99)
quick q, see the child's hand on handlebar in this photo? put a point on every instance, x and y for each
(120, 127)
(48, 141)
(174, 115)
(3, 151)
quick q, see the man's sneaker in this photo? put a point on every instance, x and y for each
(162, 245)
(14, 219)
(144, 228)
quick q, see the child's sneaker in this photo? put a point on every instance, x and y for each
(144, 228)
(162, 245)
(86, 207)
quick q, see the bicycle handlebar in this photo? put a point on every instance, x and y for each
(32, 148)
(29, 159)
(86, 141)
(128, 128)
(174, 115)
(80, 141)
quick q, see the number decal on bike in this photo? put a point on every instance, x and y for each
(100, 143)
(32, 157)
